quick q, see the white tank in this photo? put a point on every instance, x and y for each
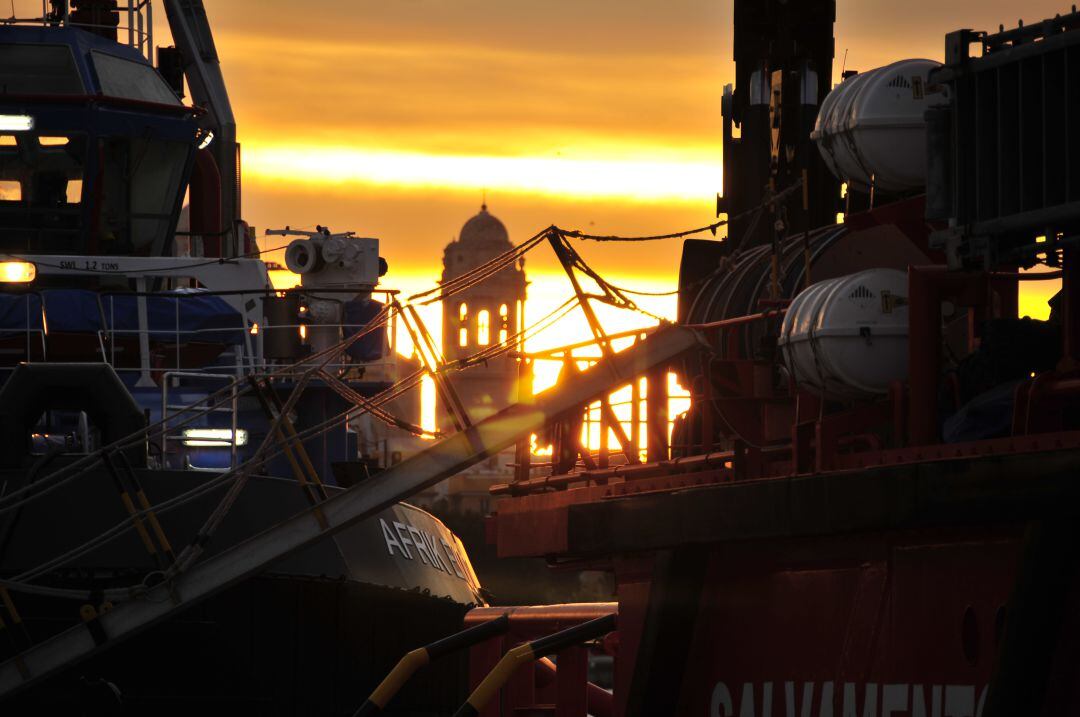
(846, 338)
(871, 127)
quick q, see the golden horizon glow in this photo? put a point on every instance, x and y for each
(640, 180)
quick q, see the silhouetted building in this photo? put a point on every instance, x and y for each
(484, 315)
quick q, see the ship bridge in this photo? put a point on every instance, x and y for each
(95, 146)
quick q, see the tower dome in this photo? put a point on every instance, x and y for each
(482, 238)
(484, 228)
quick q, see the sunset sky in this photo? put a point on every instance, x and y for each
(390, 118)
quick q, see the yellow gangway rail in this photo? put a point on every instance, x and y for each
(529, 652)
(419, 658)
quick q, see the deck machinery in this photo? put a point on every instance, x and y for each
(806, 549)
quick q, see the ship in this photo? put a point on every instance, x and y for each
(142, 385)
(869, 506)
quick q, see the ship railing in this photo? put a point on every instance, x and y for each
(30, 331)
(578, 635)
(238, 360)
(629, 425)
(419, 658)
(137, 26)
(232, 441)
(144, 357)
(182, 336)
(238, 357)
(501, 641)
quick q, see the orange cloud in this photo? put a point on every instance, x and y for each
(453, 98)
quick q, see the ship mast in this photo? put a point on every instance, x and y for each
(202, 67)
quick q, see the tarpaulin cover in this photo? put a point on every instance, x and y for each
(358, 313)
(200, 318)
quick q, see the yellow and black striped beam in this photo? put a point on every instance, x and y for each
(422, 656)
(132, 511)
(144, 504)
(530, 652)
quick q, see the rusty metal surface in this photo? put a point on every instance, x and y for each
(962, 490)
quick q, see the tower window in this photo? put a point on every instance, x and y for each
(483, 328)
(463, 311)
(502, 336)
(463, 337)
(503, 311)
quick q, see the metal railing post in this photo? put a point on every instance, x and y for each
(150, 30)
(235, 427)
(26, 297)
(176, 331)
(234, 408)
(44, 329)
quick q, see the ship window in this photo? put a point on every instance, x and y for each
(74, 191)
(8, 140)
(42, 188)
(53, 141)
(139, 190)
(132, 80)
(10, 190)
(38, 70)
(483, 328)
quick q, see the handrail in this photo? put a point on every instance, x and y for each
(553, 353)
(234, 407)
(739, 320)
(530, 652)
(139, 28)
(422, 656)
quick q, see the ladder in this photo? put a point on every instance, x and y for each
(440, 461)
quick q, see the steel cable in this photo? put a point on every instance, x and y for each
(614, 295)
(219, 481)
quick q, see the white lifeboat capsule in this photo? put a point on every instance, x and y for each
(871, 127)
(846, 338)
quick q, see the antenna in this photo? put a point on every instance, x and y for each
(843, 65)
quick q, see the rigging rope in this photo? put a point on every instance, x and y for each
(779, 196)
(20, 582)
(52, 480)
(56, 479)
(612, 294)
(217, 482)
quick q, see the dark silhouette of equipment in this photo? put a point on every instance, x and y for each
(783, 70)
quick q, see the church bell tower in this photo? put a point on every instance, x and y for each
(488, 313)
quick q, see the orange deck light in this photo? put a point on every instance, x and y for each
(17, 272)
